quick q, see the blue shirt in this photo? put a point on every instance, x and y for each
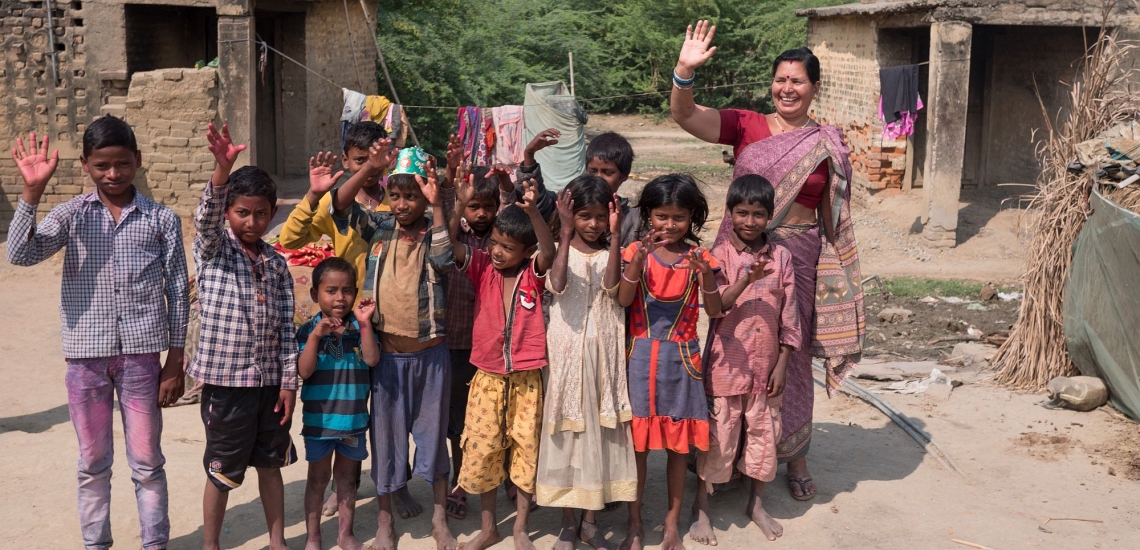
(335, 398)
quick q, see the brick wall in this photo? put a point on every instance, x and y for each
(170, 110)
(32, 100)
(329, 48)
(848, 51)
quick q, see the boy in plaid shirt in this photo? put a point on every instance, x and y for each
(247, 351)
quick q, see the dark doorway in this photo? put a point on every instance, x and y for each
(280, 87)
(168, 37)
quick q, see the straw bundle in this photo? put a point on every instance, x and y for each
(1099, 99)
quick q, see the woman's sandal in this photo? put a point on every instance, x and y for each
(457, 504)
(802, 482)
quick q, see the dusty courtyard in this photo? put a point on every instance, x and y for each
(1031, 477)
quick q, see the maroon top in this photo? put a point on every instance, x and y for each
(740, 128)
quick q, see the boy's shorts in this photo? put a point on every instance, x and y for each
(504, 413)
(751, 420)
(243, 431)
(353, 447)
(411, 394)
(462, 371)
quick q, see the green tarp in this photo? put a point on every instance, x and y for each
(550, 105)
(1102, 302)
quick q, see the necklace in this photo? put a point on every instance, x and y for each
(781, 125)
(256, 275)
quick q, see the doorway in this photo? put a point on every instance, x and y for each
(281, 99)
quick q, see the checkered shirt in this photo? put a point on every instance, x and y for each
(245, 342)
(744, 341)
(124, 288)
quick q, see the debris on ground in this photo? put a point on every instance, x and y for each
(1079, 393)
(895, 315)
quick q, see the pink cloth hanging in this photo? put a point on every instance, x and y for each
(509, 134)
(902, 127)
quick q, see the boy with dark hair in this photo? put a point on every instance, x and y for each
(124, 301)
(405, 272)
(338, 351)
(747, 355)
(608, 156)
(504, 410)
(247, 351)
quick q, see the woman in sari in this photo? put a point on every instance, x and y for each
(807, 163)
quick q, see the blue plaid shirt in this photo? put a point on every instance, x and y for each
(247, 338)
(124, 287)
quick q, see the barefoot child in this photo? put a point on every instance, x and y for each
(504, 410)
(125, 300)
(747, 355)
(406, 270)
(338, 351)
(665, 278)
(586, 457)
(247, 350)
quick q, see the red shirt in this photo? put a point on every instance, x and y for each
(501, 344)
(740, 128)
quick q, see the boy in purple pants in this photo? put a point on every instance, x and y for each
(124, 302)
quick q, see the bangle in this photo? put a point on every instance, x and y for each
(680, 87)
(628, 280)
(684, 81)
(713, 291)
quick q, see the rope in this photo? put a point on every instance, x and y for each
(352, 39)
(384, 67)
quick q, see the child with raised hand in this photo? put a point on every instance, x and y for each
(586, 457)
(338, 351)
(247, 350)
(407, 266)
(504, 410)
(747, 355)
(665, 277)
(610, 156)
(124, 300)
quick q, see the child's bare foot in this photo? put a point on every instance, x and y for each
(348, 542)
(770, 527)
(483, 539)
(385, 536)
(329, 509)
(444, 540)
(568, 533)
(701, 530)
(313, 544)
(406, 506)
(672, 539)
(588, 533)
(522, 539)
(633, 537)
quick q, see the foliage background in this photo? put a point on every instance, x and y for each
(483, 52)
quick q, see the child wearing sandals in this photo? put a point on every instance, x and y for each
(586, 454)
(665, 278)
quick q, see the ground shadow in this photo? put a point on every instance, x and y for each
(37, 422)
(982, 204)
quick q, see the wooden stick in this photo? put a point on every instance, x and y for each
(962, 338)
(970, 544)
(1073, 519)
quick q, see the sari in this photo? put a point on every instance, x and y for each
(828, 280)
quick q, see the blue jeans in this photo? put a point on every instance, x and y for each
(91, 388)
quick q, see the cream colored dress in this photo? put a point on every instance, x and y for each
(585, 456)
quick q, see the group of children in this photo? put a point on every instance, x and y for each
(550, 337)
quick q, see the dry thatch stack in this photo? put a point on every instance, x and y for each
(1100, 98)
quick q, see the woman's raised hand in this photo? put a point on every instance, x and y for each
(696, 51)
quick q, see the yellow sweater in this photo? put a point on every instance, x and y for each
(305, 226)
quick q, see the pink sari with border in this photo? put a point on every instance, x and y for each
(830, 295)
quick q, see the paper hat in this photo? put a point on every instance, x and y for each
(412, 160)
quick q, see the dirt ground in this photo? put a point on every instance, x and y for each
(1031, 477)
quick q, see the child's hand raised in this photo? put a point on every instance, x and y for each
(648, 244)
(503, 173)
(35, 167)
(321, 176)
(326, 326)
(565, 206)
(364, 310)
(529, 201)
(695, 51)
(430, 186)
(464, 185)
(455, 155)
(543, 140)
(222, 146)
(695, 259)
(615, 218)
(758, 271)
(381, 154)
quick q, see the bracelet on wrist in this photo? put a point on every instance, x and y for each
(713, 291)
(628, 280)
(684, 81)
(680, 87)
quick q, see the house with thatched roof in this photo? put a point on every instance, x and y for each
(989, 73)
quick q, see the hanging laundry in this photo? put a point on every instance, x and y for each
(377, 107)
(486, 137)
(508, 134)
(353, 105)
(550, 105)
(470, 129)
(899, 89)
(902, 127)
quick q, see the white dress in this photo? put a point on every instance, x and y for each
(585, 456)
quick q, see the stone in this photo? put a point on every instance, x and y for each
(895, 315)
(972, 355)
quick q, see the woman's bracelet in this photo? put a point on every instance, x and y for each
(684, 81)
(713, 291)
(628, 280)
(680, 87)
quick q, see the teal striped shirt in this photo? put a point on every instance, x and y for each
(335, 398)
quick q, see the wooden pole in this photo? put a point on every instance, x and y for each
(571, 73)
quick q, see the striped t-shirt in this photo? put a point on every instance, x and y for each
(335, 398)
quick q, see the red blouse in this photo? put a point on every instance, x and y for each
(741, 128)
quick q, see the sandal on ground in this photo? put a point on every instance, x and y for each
(457, 504)
(802, 482)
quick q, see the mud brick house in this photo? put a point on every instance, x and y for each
(982, 63)
(67, 62)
